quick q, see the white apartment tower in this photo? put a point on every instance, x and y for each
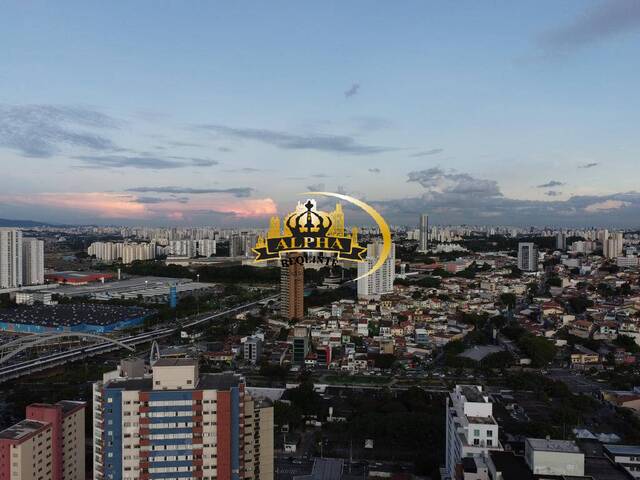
(613, 245)
(32, 261)
(527, 256)
(10, 257)
(471, 429)
(424, 233)
(381, 281)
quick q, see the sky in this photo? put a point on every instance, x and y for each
(223, 113)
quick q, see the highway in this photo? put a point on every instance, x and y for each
(45, 362)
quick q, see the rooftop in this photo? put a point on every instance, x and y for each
(209, 381)
(22, 429)
(71, 314)
(623, 449)
(542, 444)
(175, 362)
(513, 467)
(472, 394)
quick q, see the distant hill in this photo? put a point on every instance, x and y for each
(5, 222)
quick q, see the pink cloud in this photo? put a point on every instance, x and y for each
(120, 205)
(106, 205)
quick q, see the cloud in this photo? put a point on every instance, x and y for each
(245, 170)
(426, 153)
(236, 192)
(40, 130)
(104, 205)
(126, 206)
(156, 200)
(352, 91)
(316, 187)
(452, 197)
(551, 184)
(374, 170)
(289, 141)
(371, 124)
(606, 206)
(437, 181)
(553, 193)
(588, 165)
(606, 20)
(143, 162)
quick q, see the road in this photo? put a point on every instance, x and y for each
(577, 382)
(45, 362)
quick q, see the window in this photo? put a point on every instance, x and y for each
(476, 433)
(489, 433)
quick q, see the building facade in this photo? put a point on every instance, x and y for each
(471, 429)
(48, 445)
(528, 257)
(32, 261)
(424, 233)
(292, 290)
(253, 349)
(381, 281)
(177, 424)
(10, 258)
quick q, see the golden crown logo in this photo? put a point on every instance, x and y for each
(308, 229)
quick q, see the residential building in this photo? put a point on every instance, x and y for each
(424, 233)
(301, 343)
(470, 427)
(48, 445)
(32, 261)
(627, 456)
(206, 247)
(253, 349)
(553, 457)
(613, 245)
(381, 281)
(292, 289)
(528, 256)
(561, 241)
(10, 258)
(128, 252)
(176, 423)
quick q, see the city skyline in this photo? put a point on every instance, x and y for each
(512, 114)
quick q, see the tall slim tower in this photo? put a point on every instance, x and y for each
(424, 233)
(10, 258)
(32, 261)
(292, 289)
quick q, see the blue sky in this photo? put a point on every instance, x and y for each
(221, 112)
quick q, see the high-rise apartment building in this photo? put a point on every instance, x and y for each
(206, 247)
(32, 261)
(177, 424)
(47, 445)
(561, 241)
(613, 245)
(128, 252)
(253, 349)
(470, 427)
(292, 289)
(10, 258)
(301, 343)
(527, 256)
(424, 233)
(380, 281)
